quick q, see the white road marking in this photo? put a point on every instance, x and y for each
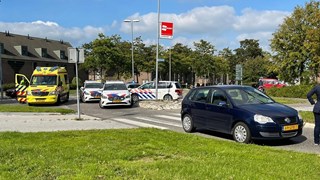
(157, 121)
(140, 124)
(169, 117)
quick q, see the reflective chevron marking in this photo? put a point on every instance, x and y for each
(169, 117)
(157, 121)
(136, 123)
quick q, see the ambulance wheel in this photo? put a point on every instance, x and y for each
(134, 98)
(67, 98)
(58, 100)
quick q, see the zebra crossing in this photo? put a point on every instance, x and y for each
(158, 121)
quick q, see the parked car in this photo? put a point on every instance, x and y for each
(115, 93)
(267, 83)
(91, 91)
(167, 90)
(242, 111)
(132, 85)
(11, 93)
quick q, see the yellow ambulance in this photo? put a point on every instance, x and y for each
(48, 85)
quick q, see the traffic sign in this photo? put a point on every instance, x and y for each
(166, 30)
(239, 72)
(73, 55)
(160, 60)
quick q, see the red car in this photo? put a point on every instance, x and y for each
(268, 83)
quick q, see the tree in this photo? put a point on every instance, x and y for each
(296, 44)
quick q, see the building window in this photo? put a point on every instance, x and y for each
(24, 50)
(44, 52)
(62, 55)
(1, 48)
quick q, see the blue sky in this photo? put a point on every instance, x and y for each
(222, 22)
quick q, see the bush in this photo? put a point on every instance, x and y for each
(299, 91)
(73, 84)
(8, 86)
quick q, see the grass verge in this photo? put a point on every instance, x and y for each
(25, 108)
(307, 116)
(144, 154)
(284, 100)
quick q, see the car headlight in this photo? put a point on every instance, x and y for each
(128, 96)
(262, 119)
(29, 93)
(53, 93)
(104, 96)
(86, 93)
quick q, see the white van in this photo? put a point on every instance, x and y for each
(167, 90)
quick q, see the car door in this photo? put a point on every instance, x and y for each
(218, 112)
(21, 83)
(198, 107)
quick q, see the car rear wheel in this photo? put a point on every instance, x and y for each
(167, 97)
(187, 123)
(241, 133)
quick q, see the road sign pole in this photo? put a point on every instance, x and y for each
(77, 79)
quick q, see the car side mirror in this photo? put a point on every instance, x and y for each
(223, 104)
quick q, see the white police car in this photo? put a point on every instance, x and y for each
(115, 93)
(91, 91)
(167, 90)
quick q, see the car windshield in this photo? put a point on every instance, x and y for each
(114, 87)
(243, 96)
(93, 85)
(44, 80)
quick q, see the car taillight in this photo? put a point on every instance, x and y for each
(179, 91)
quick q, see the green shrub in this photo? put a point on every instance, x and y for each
(299, 91)
(73, 84)
(8, 86)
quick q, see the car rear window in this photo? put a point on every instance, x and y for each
(178, 85)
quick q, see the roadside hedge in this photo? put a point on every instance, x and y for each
(299, 91)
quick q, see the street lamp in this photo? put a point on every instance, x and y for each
(132, 60)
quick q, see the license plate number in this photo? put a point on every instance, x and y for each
(290, 127)
(116, 101)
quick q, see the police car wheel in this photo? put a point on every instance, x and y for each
(167, 97)
(100, 105)
(135, 98)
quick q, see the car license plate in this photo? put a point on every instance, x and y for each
(290, 127)
(97, 97)
(116, 101)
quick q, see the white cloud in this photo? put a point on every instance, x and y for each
(216, 24)
(253, 20)
(220, 25)
(52, 30)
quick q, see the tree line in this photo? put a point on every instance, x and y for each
(294, 56)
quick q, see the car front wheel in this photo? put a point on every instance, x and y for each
(187, 123)
(135, 98)
(241, 133)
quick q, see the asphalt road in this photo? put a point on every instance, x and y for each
(170, 119)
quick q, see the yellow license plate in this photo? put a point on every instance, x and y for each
(116, 101)
(97, 97)
(290, 127)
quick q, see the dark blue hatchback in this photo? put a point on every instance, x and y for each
(242, 111)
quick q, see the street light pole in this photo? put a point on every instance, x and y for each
(157, 55)
(132, 59)
(170, 64)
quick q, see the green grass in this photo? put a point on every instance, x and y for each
(26, 108)
(307, 116)
(142, 154)
(145, 154)
(284, 100)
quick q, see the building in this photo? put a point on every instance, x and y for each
(22, 54)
